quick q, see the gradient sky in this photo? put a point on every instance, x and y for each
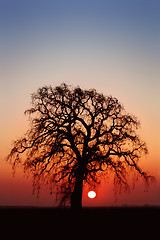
(110, 45)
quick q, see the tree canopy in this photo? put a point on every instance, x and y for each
(76, 137)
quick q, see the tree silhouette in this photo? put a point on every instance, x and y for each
(76, 137)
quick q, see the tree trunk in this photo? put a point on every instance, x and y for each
(76, 197)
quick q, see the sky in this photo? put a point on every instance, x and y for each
(110, 45)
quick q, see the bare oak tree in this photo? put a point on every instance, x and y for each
(76, 137)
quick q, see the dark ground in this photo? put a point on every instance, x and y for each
(126, 211)
(117, 221)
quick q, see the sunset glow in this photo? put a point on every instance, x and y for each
(112, 46)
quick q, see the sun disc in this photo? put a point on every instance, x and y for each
(91, 194)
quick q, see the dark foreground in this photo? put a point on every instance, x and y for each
(87, 214)
(86, 211)
(113, 220)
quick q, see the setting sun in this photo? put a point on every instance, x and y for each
(91, 194)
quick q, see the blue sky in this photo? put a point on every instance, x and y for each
(46, 32)
(21, 15)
